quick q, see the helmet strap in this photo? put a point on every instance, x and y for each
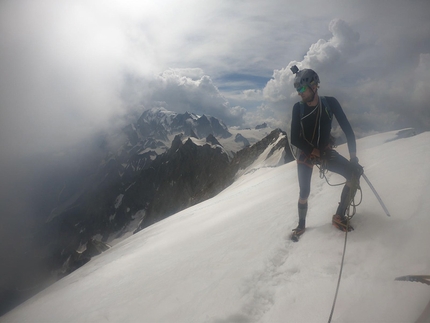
(313, 91)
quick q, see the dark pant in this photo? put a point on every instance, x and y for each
(333, 162)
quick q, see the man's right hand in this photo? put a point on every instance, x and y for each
(358, 169)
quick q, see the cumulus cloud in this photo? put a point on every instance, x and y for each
(190, 90)
(255, 95)
(377, 95)
(325, 55)
(321, 56)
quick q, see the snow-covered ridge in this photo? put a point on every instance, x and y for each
(160, 120)
(270, 157)
(160, 115)
(231, 259)
(202, 142)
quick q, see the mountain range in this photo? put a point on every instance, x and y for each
(128, 180)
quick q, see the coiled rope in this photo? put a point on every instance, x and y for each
(355, 186)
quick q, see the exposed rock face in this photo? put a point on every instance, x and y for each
(242, 139)
(134, 152)
(191, 171)
(187, 174)
(248, 155)
(261, 126)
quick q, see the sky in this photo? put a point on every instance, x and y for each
(73, 68)
(230, 259)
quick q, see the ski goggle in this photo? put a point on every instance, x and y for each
(302, 88)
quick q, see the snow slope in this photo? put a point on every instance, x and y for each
(229, 258)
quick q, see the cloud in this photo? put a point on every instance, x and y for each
(393, 100)
(421, 90)
(68, 67)
(71, 68)
(325, 55)
(190, 90)
(61, 72)
(322, 56)
(377, 94)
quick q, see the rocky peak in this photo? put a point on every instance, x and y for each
(212, 140)
(242, 139)
(261, 126)
(275, 143)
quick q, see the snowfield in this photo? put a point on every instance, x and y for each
(229, 259)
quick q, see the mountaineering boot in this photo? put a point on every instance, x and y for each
(297, 232)
(341, 223)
